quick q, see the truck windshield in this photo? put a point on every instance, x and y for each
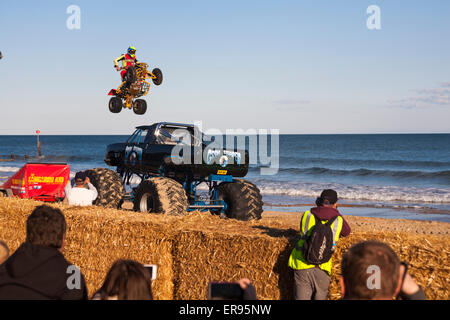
(174, 135)
(138, 136)
(132, 138)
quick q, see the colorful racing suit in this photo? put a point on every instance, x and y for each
(127, 60)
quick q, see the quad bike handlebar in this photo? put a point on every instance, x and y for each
(134, 64)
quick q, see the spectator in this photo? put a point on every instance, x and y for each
(38, 269)
(249, 291)
(367, 260)
(312, 280)
(84, 192)
(126, 280)
(4, 252)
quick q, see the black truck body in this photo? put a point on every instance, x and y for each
(149, 151)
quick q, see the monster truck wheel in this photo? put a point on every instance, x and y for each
(159, 76)
(115, 105)
(161, 195)
(109, 187)
(140, 106)
(243, 199)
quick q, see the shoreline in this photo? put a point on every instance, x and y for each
(369, 224)
(392, 211)
(411, 211)
(420, 209)
(291, 220)
(384, 204)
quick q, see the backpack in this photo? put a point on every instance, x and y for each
(319, 245)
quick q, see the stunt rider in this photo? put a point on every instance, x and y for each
(127, 59)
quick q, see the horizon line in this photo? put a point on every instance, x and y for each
(281, 134)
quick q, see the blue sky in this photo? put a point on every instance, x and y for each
(297, 66)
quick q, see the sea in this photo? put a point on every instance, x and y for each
(375, 175)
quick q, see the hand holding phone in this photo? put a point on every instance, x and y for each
(152, 269)
(225, 291)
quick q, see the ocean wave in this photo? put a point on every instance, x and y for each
(353, 192)
(55, 158)
(9, 169)
(363, 172)
(312, 190)
(360, 192)
(68, 158)
(366, 162)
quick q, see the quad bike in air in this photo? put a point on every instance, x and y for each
(133, 87)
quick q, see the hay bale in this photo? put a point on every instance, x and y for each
(192, 250)
(99, 236)
(224, 258)
(96, 237)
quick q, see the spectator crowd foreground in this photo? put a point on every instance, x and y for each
(39, 270)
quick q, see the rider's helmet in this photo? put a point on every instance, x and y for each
(131, 51)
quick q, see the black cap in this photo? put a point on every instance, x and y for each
(330, 195)
(81, 175)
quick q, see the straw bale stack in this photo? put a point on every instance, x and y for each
(427, 256)
(197, 248)
(96, 237)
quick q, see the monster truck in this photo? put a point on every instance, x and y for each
(169, 177)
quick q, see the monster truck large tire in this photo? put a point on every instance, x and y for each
(159, 76)
(161, 195)
(109, 187)
(243, 199)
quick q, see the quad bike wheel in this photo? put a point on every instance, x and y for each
(243, 199)
(109, 187)
(140, 106)
(130, 76)
(115, 105)
(161, 195)
(159, 76)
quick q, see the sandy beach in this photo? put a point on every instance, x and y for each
(291, 220)
(365, 224)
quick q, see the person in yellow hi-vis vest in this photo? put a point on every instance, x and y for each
(312, 280)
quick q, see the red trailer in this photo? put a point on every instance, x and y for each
(38, 181)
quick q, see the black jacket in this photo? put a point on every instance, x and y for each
(38, 272)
